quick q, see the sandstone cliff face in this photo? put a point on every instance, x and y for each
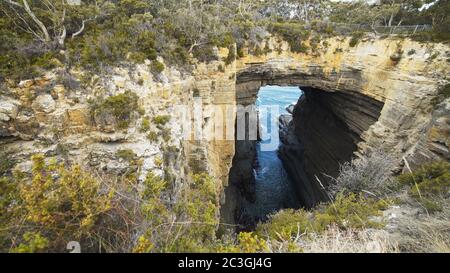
(366, 99)
(405, 87)
(357, 99)
(42, 116)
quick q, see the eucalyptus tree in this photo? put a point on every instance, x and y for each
(51, 22)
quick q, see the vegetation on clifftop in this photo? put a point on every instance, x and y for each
(96, 34)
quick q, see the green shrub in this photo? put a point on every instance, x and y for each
(152, 136)
(349, 211)
(205, 53)
(240, 52)
(397, 56)
(126, 154)
(231, 57)
(436, 36)
(329, 29)
(145, 42)
(247, 242)
(161, 119)
(356, 37)
(293, 33)
(166, 134)
(433, 56)
(32, 242)
(153, 186)
(121, 106)
(137, 57)
(302, 48)
(50, 207)
(157, 67)
(429, 185)
(18, 66)
(285, 224)
(145, 124)
(6, 162)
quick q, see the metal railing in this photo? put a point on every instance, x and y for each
(388, 30)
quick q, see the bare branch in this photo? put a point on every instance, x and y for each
(13, 3)
(37, 21)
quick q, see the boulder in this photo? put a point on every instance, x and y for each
(290, 108)
(8, 109)
(44, 103)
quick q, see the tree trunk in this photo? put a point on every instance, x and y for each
(37, 21)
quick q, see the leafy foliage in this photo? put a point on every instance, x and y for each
(161, 119)
(56, 206)
(101, 33)
(120, 106)
(293, 33)
(347, 211)
(429, 185)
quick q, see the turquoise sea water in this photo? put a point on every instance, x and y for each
(273, 188)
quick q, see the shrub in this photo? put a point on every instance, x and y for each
(335, 240)
(240, 52)
(53, 206)
(347, 211)
(145, 125)
(126, 154)
(292, 32)
(427, 234)
(145, 42)
(301, 48)
(371, 173)
(166, 134)
(6, 162)
(436, 36)
(158, 162)
(429, 185)
(247, 242)
(397, 55)
(18, 65)
(153, 186)
(285, 224)
(195, 92)
(205, 53)
(350, 211)
(231, 57)
(356, 37)
(32, 242)
(137, 57)
(157, 67)
(152, 136)
(120, 106)
(161, 119)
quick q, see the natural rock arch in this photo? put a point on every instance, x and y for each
(356, 100)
